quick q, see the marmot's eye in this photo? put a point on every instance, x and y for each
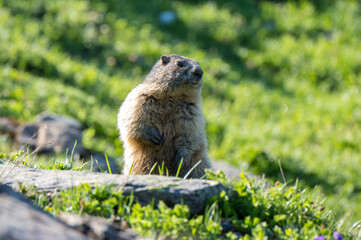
(179, 63)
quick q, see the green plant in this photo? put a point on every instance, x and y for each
(254, 212)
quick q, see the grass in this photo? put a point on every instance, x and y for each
(253, 211)
(282, 79)
(247, 209)
(59, 162)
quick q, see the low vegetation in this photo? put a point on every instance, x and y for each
(249, 210)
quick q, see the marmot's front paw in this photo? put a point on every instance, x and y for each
(154, 137)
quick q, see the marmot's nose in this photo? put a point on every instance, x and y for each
(198, 72)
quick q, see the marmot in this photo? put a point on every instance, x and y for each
(161, 120)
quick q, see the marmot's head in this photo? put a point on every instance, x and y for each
(176, 74)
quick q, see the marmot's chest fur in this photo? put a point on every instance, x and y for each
(161, 121)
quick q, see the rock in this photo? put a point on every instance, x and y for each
(55, 134)
(227, 227)
(195, 192)
(20, 219)
(27, 135)
(52, 134)
(59, 134)
(97, 227)
(53, 118)
(101, 160)
(232, 172)
(8, 125)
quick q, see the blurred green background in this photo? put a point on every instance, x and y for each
(282, 78)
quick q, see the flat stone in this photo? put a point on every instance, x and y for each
(98, 228)
(194, 192)
(20, 219)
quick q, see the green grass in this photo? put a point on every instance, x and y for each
(282, 78)
(254, 212)
(59, 162)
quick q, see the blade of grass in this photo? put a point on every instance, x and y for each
(131, 168)
(179, 167)
(100, 168)
(151, 170)
(83, 164)
(3, 169)
(160, 171)
(189, 172)
(283, 176)
(212, 212)
(72, 152)
(106, 158)
(91, 163)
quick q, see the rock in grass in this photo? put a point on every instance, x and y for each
(233, 172)
(195, 192)
(100, 163)
(97, 227)
(52, 133)
(20, 219)
(49, 134)
(27, 135)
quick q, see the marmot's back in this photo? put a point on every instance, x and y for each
(161, 121)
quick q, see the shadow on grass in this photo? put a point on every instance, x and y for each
(262, 163)
(71, 40)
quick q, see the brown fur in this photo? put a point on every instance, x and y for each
(161, 120)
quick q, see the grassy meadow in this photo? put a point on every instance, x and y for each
(282, 79)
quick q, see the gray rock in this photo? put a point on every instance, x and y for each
(194, 193)
(232, 172)
(227, 227)
(55, 134)
(52, 133)
(53, 118)
(8, 125)
(97, 227)
(59, 134)
(20, 219)
(27, 134)
(99, 161)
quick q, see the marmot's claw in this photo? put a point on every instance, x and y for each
(155, 137)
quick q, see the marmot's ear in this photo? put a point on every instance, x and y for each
(165, 59)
